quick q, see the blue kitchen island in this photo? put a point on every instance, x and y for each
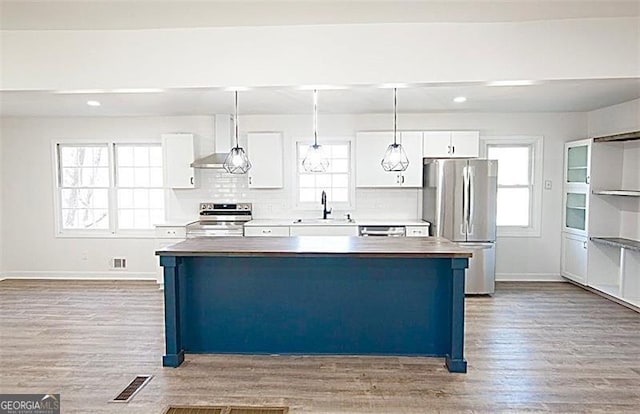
(315, 295)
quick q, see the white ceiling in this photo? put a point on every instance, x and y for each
(553, 96)
(153, 14)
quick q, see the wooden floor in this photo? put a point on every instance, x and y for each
(532, 347)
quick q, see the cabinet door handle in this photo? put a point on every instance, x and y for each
(402, 179)
(191, 180)
(453, 149)
(587, 179)
(266, 231)
(584, 244)
(449, 149)
(250, 180)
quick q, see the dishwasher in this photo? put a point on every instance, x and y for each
(382, 231)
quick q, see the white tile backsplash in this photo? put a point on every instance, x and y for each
(219, 186)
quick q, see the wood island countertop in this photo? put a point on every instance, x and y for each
(317, 246)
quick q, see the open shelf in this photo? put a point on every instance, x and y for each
(617, 242)
(629, 193)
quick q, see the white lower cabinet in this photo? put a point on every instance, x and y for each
(266, 231)
(574, 257)
(166, 236)
(324, 230)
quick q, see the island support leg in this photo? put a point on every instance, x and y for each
(173, 341)
(455, 358)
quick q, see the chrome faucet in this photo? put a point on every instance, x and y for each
(325, 212)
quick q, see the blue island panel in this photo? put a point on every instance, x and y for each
(314, 305)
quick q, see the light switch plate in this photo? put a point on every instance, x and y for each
(547, 184)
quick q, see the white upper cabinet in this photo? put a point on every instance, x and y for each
(265, 150)
(412, 144)
(370, 148)
(177, 155)
(577, 161)
(451, 144)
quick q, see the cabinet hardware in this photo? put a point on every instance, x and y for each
(449, 149)
(191, 180)
(249, 179)
(587, 179)
(584, 244)
(402, 179)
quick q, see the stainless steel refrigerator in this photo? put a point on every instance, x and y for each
(459, 200)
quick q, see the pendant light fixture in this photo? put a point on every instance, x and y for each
(395, 158)
(237, 161)
(315, 160)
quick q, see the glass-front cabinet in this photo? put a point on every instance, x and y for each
(575, 211)
(577, 162)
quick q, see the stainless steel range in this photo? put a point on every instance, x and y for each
(220, 219)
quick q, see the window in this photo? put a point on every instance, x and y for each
(519, 184)
(109, 188)
(139, 183)
(84, 187)
(335, 181)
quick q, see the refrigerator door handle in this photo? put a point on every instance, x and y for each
(465, 201)
(471, 203)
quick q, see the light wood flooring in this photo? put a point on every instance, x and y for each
(532, 347)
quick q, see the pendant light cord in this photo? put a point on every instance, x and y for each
(395, 115)
(235, 119)
(315, 117)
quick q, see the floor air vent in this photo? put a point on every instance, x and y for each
(132, 389)
(195, 410)
(226, 410)
(258, 410)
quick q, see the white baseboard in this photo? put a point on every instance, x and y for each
(73, 275)
(529, 277)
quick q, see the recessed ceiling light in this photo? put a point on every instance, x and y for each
(93, 103)
(459, 99)
(519, 82)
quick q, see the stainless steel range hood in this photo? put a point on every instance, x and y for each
(222, 143)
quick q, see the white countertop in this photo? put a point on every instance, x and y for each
(356, 222)
(175, 223)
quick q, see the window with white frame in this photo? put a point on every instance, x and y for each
(109, 188)
(139, 186)
(83, 182)
(335, 181)
(519, 184)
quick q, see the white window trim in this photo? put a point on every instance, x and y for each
(535, 204)
(112, 231)
(296, 179)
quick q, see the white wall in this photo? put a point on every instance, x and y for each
(28, 196)
(334, 54)
(615, 119)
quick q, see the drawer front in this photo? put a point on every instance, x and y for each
(417, 231)
(171, 232)
(271, 231)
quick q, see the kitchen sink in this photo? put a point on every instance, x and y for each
(327, 221)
